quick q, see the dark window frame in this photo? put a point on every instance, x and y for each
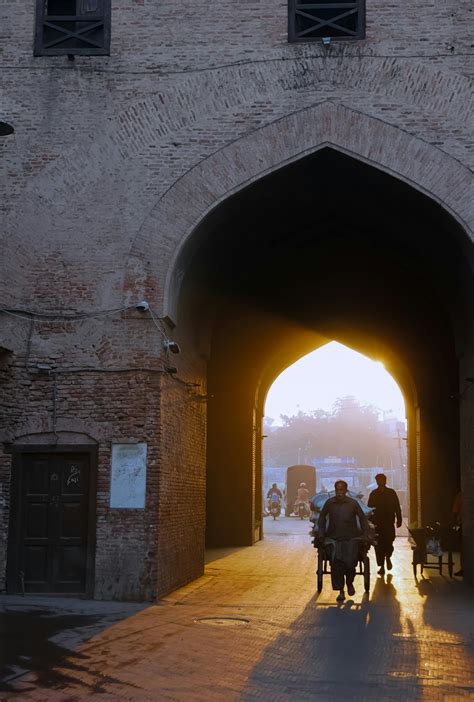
(42, 19)
(296, 6)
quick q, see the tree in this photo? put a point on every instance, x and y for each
(350, 429)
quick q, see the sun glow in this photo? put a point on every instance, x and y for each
(333, 371)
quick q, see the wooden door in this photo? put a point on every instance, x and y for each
(53, 522)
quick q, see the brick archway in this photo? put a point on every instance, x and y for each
(129, 218)
(199, 191)
(239, 417)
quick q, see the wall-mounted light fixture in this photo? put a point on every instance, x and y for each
(168, 344)
(172, 346)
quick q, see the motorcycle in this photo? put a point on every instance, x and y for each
(275, 508)
(301, 509)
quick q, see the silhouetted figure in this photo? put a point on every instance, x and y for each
(274, 490)
(303, 493)
(274, 494)
(341, 524)
(457, 510)
(387, 509)
(302, 497)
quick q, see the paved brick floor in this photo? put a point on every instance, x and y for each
(253, 628)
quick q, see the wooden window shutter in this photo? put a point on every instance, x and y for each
(309, 21)
(80, 27)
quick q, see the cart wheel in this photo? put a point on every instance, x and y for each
(366, 573)
(320, 570)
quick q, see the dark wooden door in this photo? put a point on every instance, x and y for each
(53, 522)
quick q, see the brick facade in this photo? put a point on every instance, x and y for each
(114, 163)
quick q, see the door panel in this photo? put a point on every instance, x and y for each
(70, 565)
(37, 520)
(71, 543)
(36, 565)
(53, 509)
(70, 524)
(37, 477)
(36, 524)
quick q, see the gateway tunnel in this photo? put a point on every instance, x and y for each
(325, 248)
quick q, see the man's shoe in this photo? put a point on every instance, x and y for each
(381, 571)
(389, 564)
(459, 574)
(350, 589)
(341, 596)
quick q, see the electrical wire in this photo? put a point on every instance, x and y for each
(158, 322)
(67, 371)
(79, 316)
(56, 317)
(33, 316)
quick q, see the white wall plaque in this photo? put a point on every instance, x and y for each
(128, 478)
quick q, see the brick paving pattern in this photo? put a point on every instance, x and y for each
(254, 628)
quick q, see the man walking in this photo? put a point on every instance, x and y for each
(340, 526)
(387, 509)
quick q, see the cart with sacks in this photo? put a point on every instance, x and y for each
(326, 547)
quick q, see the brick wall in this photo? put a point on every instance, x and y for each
(110, 407)
(113, 162)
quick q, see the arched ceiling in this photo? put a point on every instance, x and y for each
(331, 244)
(327, 247)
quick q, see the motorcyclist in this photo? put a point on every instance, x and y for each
(302, 497)
(274, 495)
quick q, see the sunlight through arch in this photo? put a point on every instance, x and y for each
(317, 379)
(341, 412)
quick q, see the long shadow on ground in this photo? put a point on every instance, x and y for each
(344, 652)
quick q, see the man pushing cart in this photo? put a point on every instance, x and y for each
(342, 539)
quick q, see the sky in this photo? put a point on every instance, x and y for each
(332, 371)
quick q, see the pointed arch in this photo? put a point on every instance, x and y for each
(168, 236)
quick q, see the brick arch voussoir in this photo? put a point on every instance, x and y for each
(174, 219)
(39, 430)
(180, 103)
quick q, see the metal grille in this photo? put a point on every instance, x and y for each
(72, 27)
(331, 19)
